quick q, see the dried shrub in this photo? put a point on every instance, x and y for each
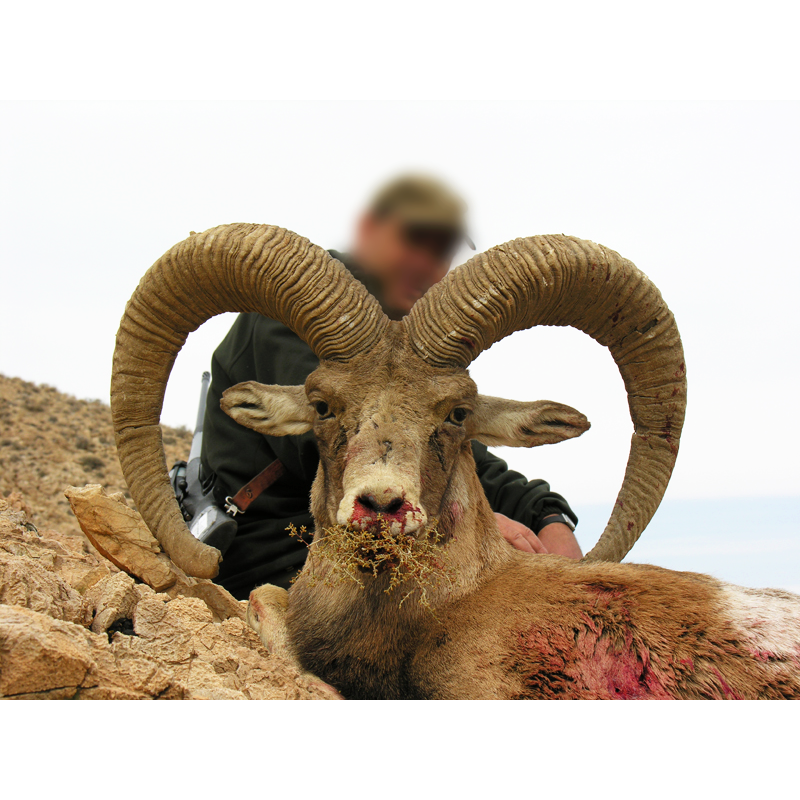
(92, 463)
(415, 564)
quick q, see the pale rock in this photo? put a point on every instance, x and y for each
(71, 558)
(54, 588)
(40, 654)
(27, 583)
(112, 598)
(119, 534)
(180, 653)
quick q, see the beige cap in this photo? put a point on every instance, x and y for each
(423, 200)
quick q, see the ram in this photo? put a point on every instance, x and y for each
(394, 409)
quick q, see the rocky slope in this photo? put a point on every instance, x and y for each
(49, 440)
(74, 625)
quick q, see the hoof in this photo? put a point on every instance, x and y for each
(266, 615)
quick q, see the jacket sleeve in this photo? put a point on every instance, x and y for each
(512, 494)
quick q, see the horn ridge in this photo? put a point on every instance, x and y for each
(564, 281)
(240, 268)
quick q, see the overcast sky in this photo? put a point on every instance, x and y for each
(668, 133)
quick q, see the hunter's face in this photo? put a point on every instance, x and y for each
(407, 259)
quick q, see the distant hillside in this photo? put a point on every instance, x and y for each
(50, 440)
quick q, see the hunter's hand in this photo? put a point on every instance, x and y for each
(519, 536)
(560, 540)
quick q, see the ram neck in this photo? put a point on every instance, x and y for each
(475, 548)
(358, 636)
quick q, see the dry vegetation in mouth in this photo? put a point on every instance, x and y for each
(415, 565)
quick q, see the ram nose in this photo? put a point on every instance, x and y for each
(369, 504)
(393, 508)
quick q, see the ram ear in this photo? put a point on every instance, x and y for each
(273, 410)
(507, 422)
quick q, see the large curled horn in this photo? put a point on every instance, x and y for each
(246, 268)
(560, 280)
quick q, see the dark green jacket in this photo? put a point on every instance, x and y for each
(260, 349)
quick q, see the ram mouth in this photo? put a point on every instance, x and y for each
(382, 528)
(397, 519)
(377, 544)
(412, 563)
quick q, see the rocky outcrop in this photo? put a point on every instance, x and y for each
(120, 535)
(74, 624)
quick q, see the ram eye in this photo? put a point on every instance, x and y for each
(323, 409)
(457, 416)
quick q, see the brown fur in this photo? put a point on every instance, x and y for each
(513, 625)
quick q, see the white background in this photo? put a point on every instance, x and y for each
(666, 132)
